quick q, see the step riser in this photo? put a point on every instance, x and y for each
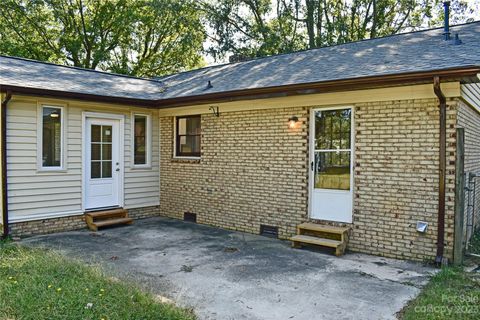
(324, 235)
(111, 216)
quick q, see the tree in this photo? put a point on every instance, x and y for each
(253, 28)
(249, 28)
(136, 37)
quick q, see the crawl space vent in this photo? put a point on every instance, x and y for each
(190, 217)
(269, 231)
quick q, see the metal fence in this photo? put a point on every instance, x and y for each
(472, 207)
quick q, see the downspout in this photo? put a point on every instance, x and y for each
(3, 115)
(442, 169)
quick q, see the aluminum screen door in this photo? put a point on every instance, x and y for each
(331, 164)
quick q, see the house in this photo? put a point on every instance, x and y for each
(369, 136)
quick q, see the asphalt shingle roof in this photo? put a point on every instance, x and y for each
(39, 75)
(403, 53)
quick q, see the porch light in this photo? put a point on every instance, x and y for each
(292, 121)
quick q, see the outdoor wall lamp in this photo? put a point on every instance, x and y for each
(292, 121)
(215, 111)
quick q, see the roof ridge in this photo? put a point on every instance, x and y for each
(81, 69)
(311, 49)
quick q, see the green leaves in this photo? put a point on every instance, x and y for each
(136, 37)
(253, 28)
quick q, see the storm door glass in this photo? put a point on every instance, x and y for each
(332, 149)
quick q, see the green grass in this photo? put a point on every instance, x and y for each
(451, 294)
(40, 284)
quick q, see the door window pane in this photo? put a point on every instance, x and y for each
(96, 147)
(106, 151)
(51, 137)
(188, 139)
(332, 170)
(140, 140)
(106, 169)
(95, 169)
(96, 133)
(106, 133)
(101, 152)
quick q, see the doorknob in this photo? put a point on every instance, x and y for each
(118, 169)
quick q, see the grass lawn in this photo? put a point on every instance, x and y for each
(40, 284)
(451, 294)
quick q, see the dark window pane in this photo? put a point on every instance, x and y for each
(193, 125)
(106, 151)
(106, 169)
(332, 170)
(140, 143)
(51, 137)
(95, 147)
(188, 136)
(95, 169)
(106, 133)
(140, 150)
(96, 133)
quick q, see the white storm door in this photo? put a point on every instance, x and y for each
(102, 163)
(331, 155)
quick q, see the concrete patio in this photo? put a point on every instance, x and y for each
(230, 275)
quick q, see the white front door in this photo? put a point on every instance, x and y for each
(102, 163)
(331, 155)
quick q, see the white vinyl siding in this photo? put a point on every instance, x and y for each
(471, 94)
(37, 194)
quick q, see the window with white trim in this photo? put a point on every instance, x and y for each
(141, 140)
(51, 137)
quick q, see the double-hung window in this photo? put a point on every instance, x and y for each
(141, 140)
(188, 136)
(51, 137)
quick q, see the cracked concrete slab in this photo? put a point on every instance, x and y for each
(231, 275)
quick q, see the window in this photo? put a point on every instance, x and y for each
(141, 140)
(188, 136)
(101, 151)
(51, 137)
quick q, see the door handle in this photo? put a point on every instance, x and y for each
(311, 165)
(118, 169)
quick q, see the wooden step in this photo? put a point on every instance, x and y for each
(97, 219)
(317, 241)
(109, 222)
(115, 213)
(322, 228)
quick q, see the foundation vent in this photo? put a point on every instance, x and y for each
(190, 217)
(269, 231)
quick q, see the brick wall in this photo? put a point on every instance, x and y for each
(253, 171)
(62, 224)
(396, 178)
(469, 119)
